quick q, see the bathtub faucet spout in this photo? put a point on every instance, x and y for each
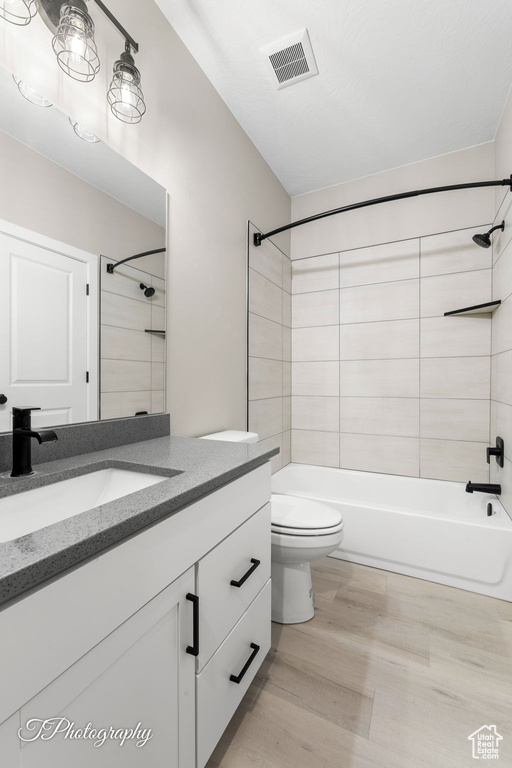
(483, 488)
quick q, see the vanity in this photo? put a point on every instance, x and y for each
(143, 619)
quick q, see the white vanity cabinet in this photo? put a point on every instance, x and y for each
(113, 642)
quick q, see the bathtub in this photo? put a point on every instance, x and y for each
(430, 529)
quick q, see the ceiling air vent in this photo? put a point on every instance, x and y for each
(291, 59)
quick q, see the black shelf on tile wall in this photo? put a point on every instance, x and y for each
(151, 330)
(478, 309)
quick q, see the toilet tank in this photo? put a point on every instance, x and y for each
(233, 436)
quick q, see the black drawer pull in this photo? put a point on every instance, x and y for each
(246, 575)
(194, 648)
(238, 678)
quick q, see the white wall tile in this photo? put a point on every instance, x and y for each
(287, 448)
(265, 298)
(453, 460)
(287, 379)
(502, 327)
(501, 426)
(265, 338)
(124, 344)
(287, 309)
(158, 344)
(502, 377)
(266, 259)
(125, 281)
(276, 462)
(312, 309)
(315, 448)
(319, 273)
(287, 345)
(316, 379)
(157, 376)
(453, 419)
(459, 377)
(448, 292)
(316, 413)
(125, 376)
(266, 417)
(287, 414)
(383, 301)
(455, 336)
(503, 476)
(501, 240)
(312, 344)
(287, 274)
(380, 378)
(158, 298)
(369, 341)
(502, 276)
(453, 252)
(375, 453)
(380, 416)
(380, 263)
(158, 401)
(265, 378)
(157, 318)
(116, 405)
(121, 312)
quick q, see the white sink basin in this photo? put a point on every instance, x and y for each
(32, 510)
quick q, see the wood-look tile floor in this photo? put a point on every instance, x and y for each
(392, 672)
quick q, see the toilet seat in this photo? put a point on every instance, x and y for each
(296, 516)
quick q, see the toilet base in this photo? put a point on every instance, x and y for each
(292, 593)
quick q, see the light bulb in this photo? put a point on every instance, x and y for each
(74, 43)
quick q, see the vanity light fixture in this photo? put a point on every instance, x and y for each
(18, 12)
(74, 43)
(75, 48)
(125, 95)
(83, 133)
(30, 94)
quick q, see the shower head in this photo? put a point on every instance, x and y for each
(484, 239)
(148, 292)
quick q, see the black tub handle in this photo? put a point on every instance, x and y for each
(246, 575)
(238, 678)
(194, 648)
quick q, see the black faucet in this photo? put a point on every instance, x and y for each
(22, 434)
(483, 488)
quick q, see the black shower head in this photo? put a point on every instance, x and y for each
(148, 292)
(484, 239)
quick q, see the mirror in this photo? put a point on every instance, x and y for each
(76, 341)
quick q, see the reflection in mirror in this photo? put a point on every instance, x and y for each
(76, 341)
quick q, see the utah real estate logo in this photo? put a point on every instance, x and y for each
(486, 743)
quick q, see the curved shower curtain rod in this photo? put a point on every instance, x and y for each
(259, 237)
(111, 267)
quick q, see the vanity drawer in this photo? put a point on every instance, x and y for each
(229, 578)
(240, 656)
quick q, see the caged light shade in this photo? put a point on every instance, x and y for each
(19, 12)
(74, 43)
(125, 94)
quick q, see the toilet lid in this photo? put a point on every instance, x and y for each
(294, 512)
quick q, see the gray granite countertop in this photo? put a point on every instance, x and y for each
(203, 466)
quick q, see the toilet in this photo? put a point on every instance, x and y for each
(303, 530)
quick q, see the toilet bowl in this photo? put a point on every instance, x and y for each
(303, 530)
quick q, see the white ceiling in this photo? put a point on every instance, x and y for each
(400, 80)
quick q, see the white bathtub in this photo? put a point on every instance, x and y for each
(431, 529)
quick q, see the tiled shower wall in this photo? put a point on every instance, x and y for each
(501, 389)
(381, 380)
(132, 361)
(269, 344)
